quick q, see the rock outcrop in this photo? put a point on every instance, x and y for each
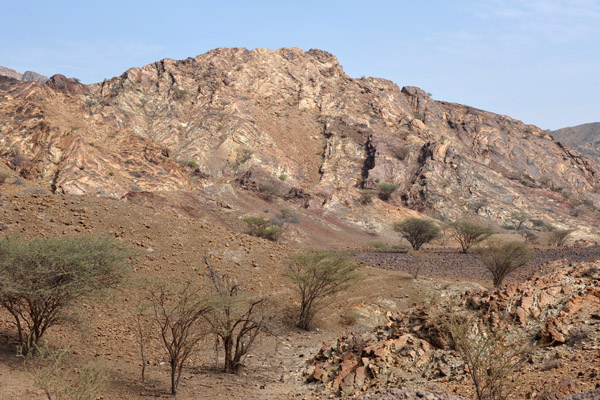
(560, 310)
(295, 121)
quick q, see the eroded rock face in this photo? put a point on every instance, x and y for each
(294, 119)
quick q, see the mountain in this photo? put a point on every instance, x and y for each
(234, 126)
(27, 76)
(585, 138)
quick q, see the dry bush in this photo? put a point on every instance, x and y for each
(385, 190)
(366, 196)
(236, 321)
(41, 278)
(419, 261)
(557, 237)
(417, 231)
(3, 177)
(468, 234)
(178, 313)
(60, 380)
(530, 236)
(317, 275)
(502, 258)
(492, 356)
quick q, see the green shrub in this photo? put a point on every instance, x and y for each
(263, 228)
(385, 190)
(268, 191)
(420, 116)
(366, 196)
(417, 231)
(283, 177)
(41, 278)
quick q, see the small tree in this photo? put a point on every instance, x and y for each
(419, 261)
(491, 356)
(263, 228)
(502, 258)
(519, 219)
(417, 231)
(468, 234)
(178, 314)
(39, 279)
(235, 321)
(317, 275)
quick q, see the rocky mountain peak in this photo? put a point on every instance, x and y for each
(243, 120)
(27, 76)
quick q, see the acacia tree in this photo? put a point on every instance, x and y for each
(468, 234)
(417, 231)
(235, 320)
(317, 275)
(41, 278)
(178, 314)
(502, 258)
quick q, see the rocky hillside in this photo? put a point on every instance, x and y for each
(585, 138)
(28, 76)
(234, 123)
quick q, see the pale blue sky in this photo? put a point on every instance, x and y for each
(534, 60)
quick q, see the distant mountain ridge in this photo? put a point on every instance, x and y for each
(27, 76)
(585, 138)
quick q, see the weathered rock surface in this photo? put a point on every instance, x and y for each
(293, 121)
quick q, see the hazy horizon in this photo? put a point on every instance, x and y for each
(536, 61)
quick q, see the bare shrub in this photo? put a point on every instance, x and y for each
(317, 275)
(41, 278)
(235, 320)
(502, 258)
(417, 231)
(491, 356)
(178, 313)
(468, 234)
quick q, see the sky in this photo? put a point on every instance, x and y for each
(534, 60)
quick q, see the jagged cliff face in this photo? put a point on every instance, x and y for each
(295, 121)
